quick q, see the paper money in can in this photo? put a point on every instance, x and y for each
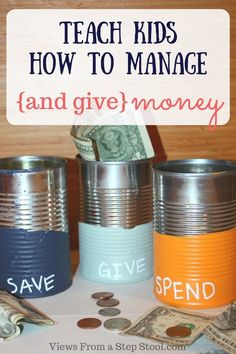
(112, 143)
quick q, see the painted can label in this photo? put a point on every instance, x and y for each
(34, 263)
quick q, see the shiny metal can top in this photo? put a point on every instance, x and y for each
(117, 194)
(196, 196)
(115, 174)
(195, 181)
(33, 193)
(31, 174)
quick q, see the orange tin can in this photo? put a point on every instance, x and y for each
(195, 232)
(195, 271)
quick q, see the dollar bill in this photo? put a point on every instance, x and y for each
(121, 143)
(204, 346)
(153, 325)
(8, 330)
(113, 143)
(84, 145)
(14, 312)
(222, 330)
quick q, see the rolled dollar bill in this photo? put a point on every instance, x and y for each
(121, 143)
(8, 330)
(222, 330)
(113, 143)
(14, 312)
(84, 145)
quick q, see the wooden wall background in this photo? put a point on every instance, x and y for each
(174, 141)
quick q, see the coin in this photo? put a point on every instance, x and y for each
(109, 312)
(89, 323)
(108, 302)
(180, 331)
(117, 324)
(102, 295)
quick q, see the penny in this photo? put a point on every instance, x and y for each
(180, 331)
(117, 324)
(108, 302)
(109, 312)
(89, 323)
(102, 295)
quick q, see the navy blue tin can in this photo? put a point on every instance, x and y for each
(34, 239)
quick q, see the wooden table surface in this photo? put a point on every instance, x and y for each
(173, 141)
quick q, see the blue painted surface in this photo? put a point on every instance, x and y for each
(34, 263)
(114, 254)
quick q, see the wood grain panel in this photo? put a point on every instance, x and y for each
(171, 141)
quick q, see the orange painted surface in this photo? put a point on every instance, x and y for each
(195, 271)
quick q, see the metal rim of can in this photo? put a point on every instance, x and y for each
(161, 167)
(56, 162)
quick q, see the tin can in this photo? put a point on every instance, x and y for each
(115, 193)
(116, 255)
(34, 240)
(115, 228)
(194, 197)
(194, 232)
(196, 271)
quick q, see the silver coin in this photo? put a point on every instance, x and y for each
(109, 312)
(108, 302)
(102, 295)
(117, 324)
